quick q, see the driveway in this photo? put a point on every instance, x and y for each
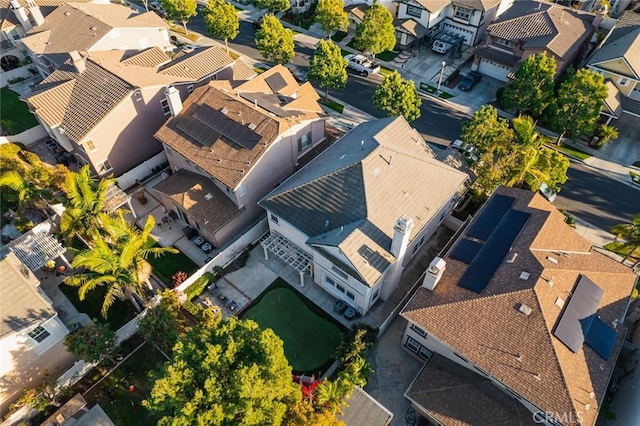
(626, 149)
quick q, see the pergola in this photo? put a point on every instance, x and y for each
(289, 252)
(36, 248)
(116, 198)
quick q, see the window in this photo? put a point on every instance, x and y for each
(229, 190)
(503, 42)
(340, 272)
(39, 334)
(414, 11)
(418, 330)
(304, 142)
(413, 344)
(104, 167)
(330, 281)
(351, 296)
(340, 288)
(241, 190)
(190, 88)
(166, 110)
(274, 218)
(623, 81)
(89, 146)
(424, 353)
(462, 13)
(375, 295)
(14, 35)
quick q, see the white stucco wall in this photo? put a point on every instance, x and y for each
(132, 38)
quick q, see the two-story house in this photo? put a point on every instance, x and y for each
(519, 322)
(91, 27)
(105, 108)
(468, 19)
(228, 146)
(531, 27)
(356, 215)
(618, 60)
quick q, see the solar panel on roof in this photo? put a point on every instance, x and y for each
(578, 314)
(492, 213)
(276, 82)
(465, 251)
(220, 123)
(601, 338)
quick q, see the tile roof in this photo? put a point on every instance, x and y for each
(623, 42)
(497, 55)
(358, 10)
(457, 396)
(384, 169)
(613, 103)
(198, 196)
(151, 57)
(520, 350)
(79, 26)
(542, 25)
(411, 26)
(360, 409)
(225, 160)
(8, 18)
(21, 305)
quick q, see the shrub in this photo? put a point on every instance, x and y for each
(198, 286)
(357, 342)
(178, 278)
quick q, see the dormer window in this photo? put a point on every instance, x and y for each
(462, 13)
(414, 11)
(503, 42)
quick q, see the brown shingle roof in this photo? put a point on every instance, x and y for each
(199, 197)
(225, 160)
(623, 42)
(489, 331)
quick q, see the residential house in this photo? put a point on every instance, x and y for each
(31, 334)
(76, 412)
(105, 107)
(418, 20)
(531, 27)
(229, 146)
(520, 322)
(357, 214)
(91, 27)
(618, 60)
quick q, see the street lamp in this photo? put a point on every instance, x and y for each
(444, 63)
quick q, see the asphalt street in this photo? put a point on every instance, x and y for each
(587, 194)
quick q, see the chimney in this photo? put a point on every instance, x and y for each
(34, 9)
(173, 99)
(434, 273)
(78, 61)
(21, 15)
(401, 232)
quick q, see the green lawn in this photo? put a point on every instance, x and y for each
(624, 252)
(338, 37)
(16, 117)
(125, 408)
(120, 313)
(166, 265)
(569, 150)
(338, 107)
(432, 91)
(310, 336)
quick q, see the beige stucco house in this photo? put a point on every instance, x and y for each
(356, 215)
(230, 144)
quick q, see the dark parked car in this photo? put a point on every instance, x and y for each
(61, 159)
(53, 146)
(469, 81)
(299, 72)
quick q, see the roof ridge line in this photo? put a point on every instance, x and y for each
(302, 185)
(462, 302)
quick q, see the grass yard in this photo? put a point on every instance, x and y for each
(309, 334)
(165, 266)
(120, 313)
(432, 91)
(625, 251)
(178, 29)
(338, 37)
(569, 150)
(338, 107)
(16, 117)
(123, 407)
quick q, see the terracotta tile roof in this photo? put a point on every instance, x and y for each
(378, 181)
(260, 84)
(8, 18)
(613, 103)
(200, 198)
(542, 25)
(457, 396)
(242, 71)
(623, 42)
(198, 64)
(519, 350)
(358, 10)
(151, 57)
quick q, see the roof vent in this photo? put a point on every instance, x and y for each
(552, 260)
(537, 376)
(513, 258)
(93, 28)
(67, 13)
(550, 282)
(525, 275)
(224, 111)
(559, 302)
(326, 223)
(342, 156)
(252, 126)
(614, 323)
(208, 196)
(524, 309)
(519, 357)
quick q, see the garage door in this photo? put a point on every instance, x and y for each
(467, 34)
(494, 70)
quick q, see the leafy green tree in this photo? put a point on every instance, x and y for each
(328, 68)
(273, 6)
(225, 372)
(357, 372)
(43, 396)
(486, 131)
(356, 343)
(376, 33)
(92, 343)
(221, 20)
(630, 232)
(274, 41)
(397, 96)
(331, 16)
(302, 413)
(332, 393)
(605, 133)
(532, 88)
(164, 323)
(29, 191)
(85, 206)
(117, 262)
(182, 10)
(577, 105)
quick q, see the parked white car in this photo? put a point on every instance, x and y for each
(465, 148)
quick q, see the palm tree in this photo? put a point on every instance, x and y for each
(630, 233)
(357, 372)
(85, 212)
(331, 394)
(27, 188)
(117, 262)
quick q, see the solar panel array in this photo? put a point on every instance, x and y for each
(197, 130)
(276, 82)
(579, 323)
(208, 124)
(465, 251)
(490, 216)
